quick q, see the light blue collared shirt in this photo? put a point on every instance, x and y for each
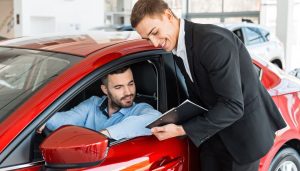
(126, 123)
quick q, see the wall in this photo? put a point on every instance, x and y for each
(49, 16)
(295, 40)
(6, 18)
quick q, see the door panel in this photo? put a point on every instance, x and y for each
(33, 168)
(147, 153)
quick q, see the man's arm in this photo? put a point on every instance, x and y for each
(220, 58)
(135, 124)
(75, 116)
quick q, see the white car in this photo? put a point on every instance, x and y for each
(259, 41)
(295, 72)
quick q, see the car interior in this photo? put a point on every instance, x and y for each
(145, 77)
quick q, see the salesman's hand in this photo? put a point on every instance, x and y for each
(168, 131)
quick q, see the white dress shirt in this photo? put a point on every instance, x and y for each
(180, 51)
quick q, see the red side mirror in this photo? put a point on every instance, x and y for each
(74, 147)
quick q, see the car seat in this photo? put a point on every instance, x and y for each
(145, 77)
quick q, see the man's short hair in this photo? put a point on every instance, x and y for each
(104, 79)
(144, 8)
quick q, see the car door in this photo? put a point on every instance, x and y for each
(147, 152)
(255, 42)
(273, 47)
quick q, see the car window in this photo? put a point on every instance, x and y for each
(266, 34)
(295, 72)
(253, 36)
(239, 34)
(146, 77)
(22, 72)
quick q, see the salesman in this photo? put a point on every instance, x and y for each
(240, 126)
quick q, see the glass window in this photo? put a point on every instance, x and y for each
(265, 33)
(241, 5)
(206, 20)
(203, 6)
(253, 36)
(239, 19)
(22, 72)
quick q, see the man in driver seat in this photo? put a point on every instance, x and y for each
(115, 114)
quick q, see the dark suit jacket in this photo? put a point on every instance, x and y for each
(241, 111)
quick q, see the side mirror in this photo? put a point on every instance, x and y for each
(74, 147)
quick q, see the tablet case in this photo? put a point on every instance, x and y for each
(185, 111)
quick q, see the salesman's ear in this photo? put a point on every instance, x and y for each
(168, 13)
(104, 89)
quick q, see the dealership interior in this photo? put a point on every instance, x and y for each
(81, 88)
(280, 18)
(19, 18)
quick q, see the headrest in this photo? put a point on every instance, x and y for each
(145, 78)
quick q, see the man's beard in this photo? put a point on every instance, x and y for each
(117, 104)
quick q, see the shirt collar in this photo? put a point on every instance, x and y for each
(180, 43)
(103, 107)
(123, 111)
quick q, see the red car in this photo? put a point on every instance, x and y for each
(40, 76)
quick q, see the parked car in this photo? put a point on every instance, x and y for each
(295, 72)
(41, 76)
(111, 28)
(259, 41)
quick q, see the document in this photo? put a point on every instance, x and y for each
(177, 115)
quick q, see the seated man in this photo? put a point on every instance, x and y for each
(115, 115)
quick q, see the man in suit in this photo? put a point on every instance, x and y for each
(240, 125)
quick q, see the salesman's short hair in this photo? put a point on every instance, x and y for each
(144, 8)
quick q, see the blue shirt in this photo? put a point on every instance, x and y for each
(125, 123)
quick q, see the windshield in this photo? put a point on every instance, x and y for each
(22, 72)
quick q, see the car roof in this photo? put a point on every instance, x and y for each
(80, 44)
(232, 26)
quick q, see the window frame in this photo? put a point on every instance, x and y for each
(246, 37)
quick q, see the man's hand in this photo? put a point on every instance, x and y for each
(168, 131)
